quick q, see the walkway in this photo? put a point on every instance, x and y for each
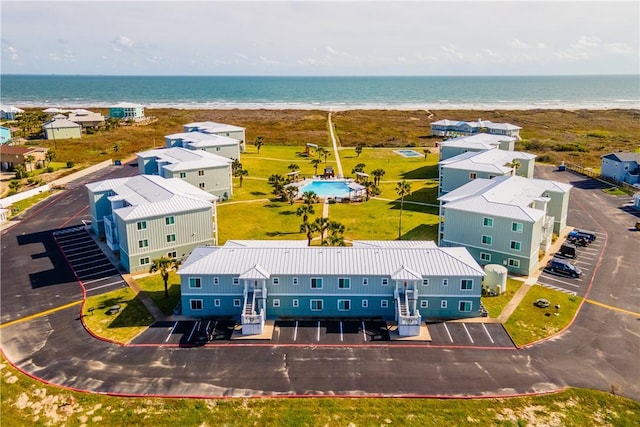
(335, 147)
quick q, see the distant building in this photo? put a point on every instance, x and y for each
(62, 129)
(146, 217)
(224, 146)
(458, 170)
(9, 112)
(220, 129)
(623, 167)
(204, 170)
(14, 155)
(5, 135)
(87, 119)
(506, 220)
(408, 281)
(478, 142)
(127, 111)
(453, 128)
(636, 201)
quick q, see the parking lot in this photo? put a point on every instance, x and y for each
(322, 332)
(586, 258)
(89, 263)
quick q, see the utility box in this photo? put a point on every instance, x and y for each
(495, 281)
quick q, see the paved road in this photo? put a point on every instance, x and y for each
(599, 351)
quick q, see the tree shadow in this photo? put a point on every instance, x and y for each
(131, 312)
(423, 172)
(281, 233)
(166, 305)
(258, 193)
(422, 232)
(287, 213)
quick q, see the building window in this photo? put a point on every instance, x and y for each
(195, 283)
(487, 222)
(344, 305)
(515, 245)
(275, 280)
(344, 283)
(365, 303)
(170, 220)
(365, 281)
(424, 304)
(466, 284)
(516, 227)
(514, 263)
(385, 282)
(445, 282)
(216, 302)
(216, 281)
(142, 225)
(200, 173)
(236, 302)
(486, 240)
(183, 175)
(144, 243)
(473, 175)
(485, 256)
(171, 238)
(443, 303)
(316, 283)
(276, 302)
(236, 281)
(196, 304)
(201, 185)
(296, 303)
(172, 255)
(384, 303)
(316, 305)
(217, 148)
(464, 306)
(295, 280)
(425, 282)
(144, 261)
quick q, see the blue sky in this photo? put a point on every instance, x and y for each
(320, 38)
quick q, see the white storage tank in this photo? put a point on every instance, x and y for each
(495, 281)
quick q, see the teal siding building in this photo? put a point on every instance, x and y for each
(127, 111)
(407, 282)
(215, 144)
(213, 128)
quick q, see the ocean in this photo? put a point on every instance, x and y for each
(324, 93)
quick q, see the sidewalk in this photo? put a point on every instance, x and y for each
(335, 148)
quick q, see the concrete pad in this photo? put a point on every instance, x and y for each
(424, 335)
(267, 332)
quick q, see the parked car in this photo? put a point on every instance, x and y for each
(562, 266)
(582, 234)
(542, 303)
(568, 250)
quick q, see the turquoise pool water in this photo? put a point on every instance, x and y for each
(409, 153)
(327, 188)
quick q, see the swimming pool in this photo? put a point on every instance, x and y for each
(408, 153)
(327, 188)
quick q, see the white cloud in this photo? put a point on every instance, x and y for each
(241, 55)
(268, 61)
(65, 56)
(13, 53)
(621, 49)
(489, 53)
(586, 42)
(519, 44)
(121, 42)
(541, 45)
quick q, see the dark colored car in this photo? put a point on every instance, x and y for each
(561, 266)
(582, 234)
(568, 250)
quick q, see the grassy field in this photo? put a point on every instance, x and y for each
(26, 402)
(495, 305)
(153, 285)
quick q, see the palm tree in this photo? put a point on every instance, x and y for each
(308, 229)
(323, 152)
(514, 165)
(358, 150)
(277, 182)
(315, 163)
(164, 265)
(377, 174)
(321, 225)
(20, 171)
(291, 191)
(426, 152)
(304, 211)
(116, 148)
(236, 166)
(28, 160)
(402, 189)
(335, 240)
(310, 197)
(370, 189)
(50, 155)
(241, 174)
(293, 167)
(15, 185)
(259, 142)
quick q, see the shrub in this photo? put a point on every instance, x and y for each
(70, 164)
(49, 169)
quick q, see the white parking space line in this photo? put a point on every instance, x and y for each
(195, 326)
(99, 272)
(105, 286)
(84, 263)
(74, 245)
(171, 331)
(318, 339)
(95, 266)
(548, 276)
(467, 331)
(341, 335)
(364, 332)
(102, 278)
(487, 332)
(557, 288)
(448, 333)
(295, 332)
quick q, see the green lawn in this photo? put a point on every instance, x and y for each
(19, 207)
(153, 285)
(27, 402)
(529, 323)
(396, 167)
(123, 326)
(495, 305)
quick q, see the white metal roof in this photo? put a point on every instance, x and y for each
(11, 109)
(180, 159)
(478, 138)
(493, 160)
(212, 127)
(126, 105)
(318, 260)
(504, 196)
(60, 123)
(202, 140)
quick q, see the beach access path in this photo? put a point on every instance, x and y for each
(335, 147)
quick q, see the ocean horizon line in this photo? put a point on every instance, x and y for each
(325, 75)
